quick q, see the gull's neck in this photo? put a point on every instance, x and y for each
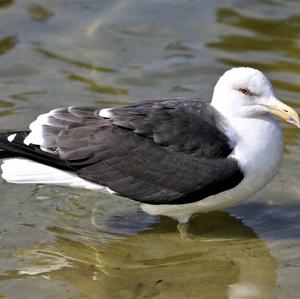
(259, 146)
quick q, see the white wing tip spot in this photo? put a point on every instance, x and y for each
(105, 113)
(110, 191)
(11, 137)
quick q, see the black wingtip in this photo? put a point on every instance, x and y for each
(5, 151)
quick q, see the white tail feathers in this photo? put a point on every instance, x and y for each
(22, 171)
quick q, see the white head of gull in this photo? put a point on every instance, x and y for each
(176, 157)
(246, 92)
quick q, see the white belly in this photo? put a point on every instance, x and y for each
(259, 153)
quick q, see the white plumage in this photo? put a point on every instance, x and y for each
(23, 171)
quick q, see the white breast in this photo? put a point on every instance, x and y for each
(259, 149)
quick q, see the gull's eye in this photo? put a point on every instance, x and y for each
(245, 91)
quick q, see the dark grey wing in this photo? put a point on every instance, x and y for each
(168, 151)
(188, 126)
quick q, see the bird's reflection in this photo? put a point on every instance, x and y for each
(223, 259)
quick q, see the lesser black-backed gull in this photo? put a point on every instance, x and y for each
(175, 156)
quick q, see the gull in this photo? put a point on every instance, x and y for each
(176, 157)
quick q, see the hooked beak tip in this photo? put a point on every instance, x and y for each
(285, 112)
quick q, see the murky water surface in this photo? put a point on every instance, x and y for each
(63, 243)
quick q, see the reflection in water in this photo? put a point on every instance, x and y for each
(7, 43)
(223, 258)
(5, 104)
(40, 13)
(5, 112)
(6, 3)
(51, 55)
(179, 49)
(95, 87)
(268, 34)
(23, 96)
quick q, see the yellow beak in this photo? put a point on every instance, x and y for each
(285, 112)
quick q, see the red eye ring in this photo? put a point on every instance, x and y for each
(245, 91)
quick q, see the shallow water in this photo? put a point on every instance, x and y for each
(58, 242)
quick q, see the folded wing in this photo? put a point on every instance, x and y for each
(167, 151)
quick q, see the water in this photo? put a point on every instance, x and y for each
(62, 243)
